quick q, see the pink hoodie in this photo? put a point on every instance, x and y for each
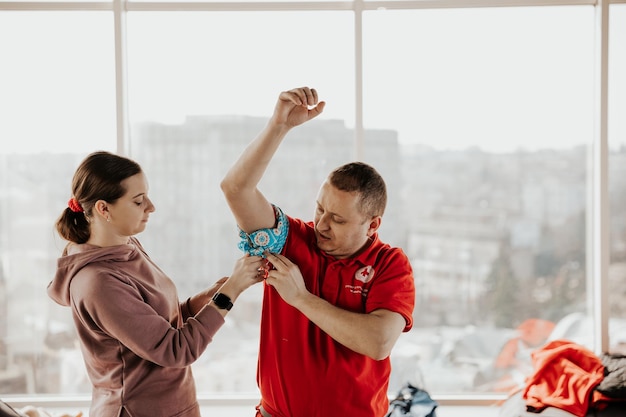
(138, 341)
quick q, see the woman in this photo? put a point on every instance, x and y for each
(138, 341)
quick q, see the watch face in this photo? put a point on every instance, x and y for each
(222, 301)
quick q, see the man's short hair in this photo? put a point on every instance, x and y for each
(364, 179)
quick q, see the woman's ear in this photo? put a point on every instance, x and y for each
(101, 208)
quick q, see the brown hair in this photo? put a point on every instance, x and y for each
(98, 177)
(365, 180)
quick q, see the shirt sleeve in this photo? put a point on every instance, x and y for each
(133, 322)
(394, 288)
(271, 239)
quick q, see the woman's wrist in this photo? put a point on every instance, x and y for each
(230, 290)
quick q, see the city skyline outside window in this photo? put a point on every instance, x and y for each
(480, 127)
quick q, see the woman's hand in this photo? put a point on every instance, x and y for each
(248, 270)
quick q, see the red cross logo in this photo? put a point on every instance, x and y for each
(364, 274)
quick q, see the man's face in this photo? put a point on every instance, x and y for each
(340, 228)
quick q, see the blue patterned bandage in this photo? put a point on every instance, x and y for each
(271, 240)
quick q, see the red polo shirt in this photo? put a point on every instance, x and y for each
(303, 372)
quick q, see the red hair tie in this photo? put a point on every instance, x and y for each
(74, 205)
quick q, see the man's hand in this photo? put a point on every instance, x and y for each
(373, 334)
(286, 278)
(297, 106)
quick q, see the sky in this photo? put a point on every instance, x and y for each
(499, 79)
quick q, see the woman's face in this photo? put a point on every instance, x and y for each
(128, 216)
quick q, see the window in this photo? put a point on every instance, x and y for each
(493, 123)
(57, 102)
(480, 126)
(199, 93)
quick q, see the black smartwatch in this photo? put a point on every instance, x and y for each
(222, 301)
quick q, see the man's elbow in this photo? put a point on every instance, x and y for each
(228, 187)
(389, 330)
(381, 350)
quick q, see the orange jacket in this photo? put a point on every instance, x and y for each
(565, 377)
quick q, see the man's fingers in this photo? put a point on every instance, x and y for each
(310, 96)
(317, 110)
(277, 258)
(303, 96)
(295, 96)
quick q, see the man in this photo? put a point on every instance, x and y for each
(336, 298)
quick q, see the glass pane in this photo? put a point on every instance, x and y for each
(199, 92)
(617, 179)
(57, 101)
(488, 122)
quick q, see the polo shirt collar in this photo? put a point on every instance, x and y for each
(366, 256)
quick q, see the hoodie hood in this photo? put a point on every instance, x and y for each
(75, 257)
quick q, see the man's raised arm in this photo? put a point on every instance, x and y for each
(251, 209)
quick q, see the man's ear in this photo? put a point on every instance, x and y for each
(374, 225)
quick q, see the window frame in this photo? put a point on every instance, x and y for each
(598, 220)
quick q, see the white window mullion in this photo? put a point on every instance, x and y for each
(598, 227)
(358, 79)
(121, 76)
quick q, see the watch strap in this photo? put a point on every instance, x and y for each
(222, 301)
